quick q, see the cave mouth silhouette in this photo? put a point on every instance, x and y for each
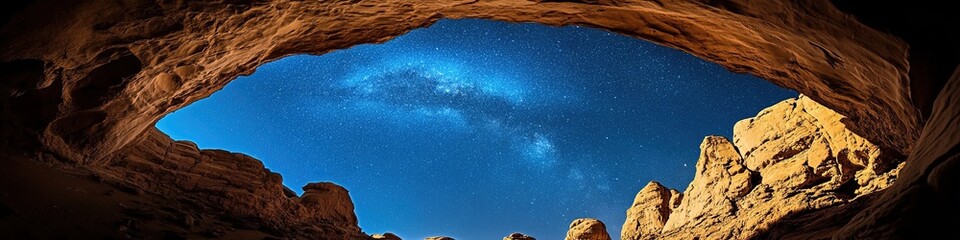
(480, 118)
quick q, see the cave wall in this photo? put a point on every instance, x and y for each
(122, 65)
(86, 80)
(923, 200)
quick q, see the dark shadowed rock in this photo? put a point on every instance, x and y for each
(83, 83)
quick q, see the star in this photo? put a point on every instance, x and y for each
(480, 120)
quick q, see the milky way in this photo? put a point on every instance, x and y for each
(475, 129)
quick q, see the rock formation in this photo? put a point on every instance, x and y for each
(219, 178)
(83, 83)
(123, 66)
(333, 199)
(587, 229)
(385, 236)
(795, 156)
(649, 212)
(518, 236)
(439, 238)
(721, 178)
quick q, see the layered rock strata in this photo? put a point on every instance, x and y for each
(218, 178)
(650, 211)
(98, 75)
(795, 156)
(83, 82)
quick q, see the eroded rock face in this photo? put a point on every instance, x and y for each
(518, 236)
(587, 229)
(923, 200)
(385, 236)
(793, 157)
(721, 178)
(84, 82)
(799, 142)
(234, 183)
(116, 68)
(331, 202)
(649, 212)
(439, 238)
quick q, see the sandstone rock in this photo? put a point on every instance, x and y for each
(587, 229)
(82, 83)
(167, 82)
(117, 49)
(386, 236)
(675, 198)
(236, 184)
(331, 202)
(439, 238)
(649, 212)
(797, 156)
(186, 72)
(922, 202)
(798, 142)
(721, 178)
(518, 236)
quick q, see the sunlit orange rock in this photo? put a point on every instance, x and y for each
(84, 82)
(795, 156)
(518, 236)
(587, 229)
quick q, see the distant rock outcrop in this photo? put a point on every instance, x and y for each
(587, 229)
(439, 238)
(84, 83)
(385, 236)
(518, 236)
(792, 157)
(650, 211)
(331, 202)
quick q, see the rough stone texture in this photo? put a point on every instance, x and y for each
(439, 238)
(799, 142)
(333, 199)
(234, 183)
(518, 236)
(650, 210)
(385, 236)
(795, 156)
(84, 81)
(720, 180)
(120, 66)
(923, 200)
(587, 229)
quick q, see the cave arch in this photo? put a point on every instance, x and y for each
(191, 49)
(187, 50)
(514, 84)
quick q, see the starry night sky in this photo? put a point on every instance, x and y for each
(475, 129)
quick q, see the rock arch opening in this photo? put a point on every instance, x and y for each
(184, 51)
(446, 129)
